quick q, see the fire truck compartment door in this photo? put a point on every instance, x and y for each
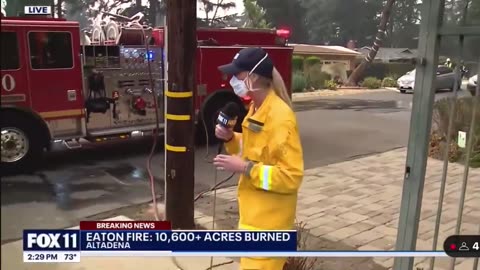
(55, 73)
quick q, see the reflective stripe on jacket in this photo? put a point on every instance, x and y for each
(267, 197)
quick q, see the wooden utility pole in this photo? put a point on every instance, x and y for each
(179, 118)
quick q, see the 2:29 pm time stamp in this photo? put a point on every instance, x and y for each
(462, 246)
(48, 257)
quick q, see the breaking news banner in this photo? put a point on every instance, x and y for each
(131, 238)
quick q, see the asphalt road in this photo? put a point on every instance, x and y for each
(79, 183)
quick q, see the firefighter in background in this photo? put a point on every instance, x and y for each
(448, 63)
(267, 154)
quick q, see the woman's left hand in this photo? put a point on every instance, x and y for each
(230, 163)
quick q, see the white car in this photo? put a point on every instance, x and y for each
(472, 84)
(445, 80)
(406, 82)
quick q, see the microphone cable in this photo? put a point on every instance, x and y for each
(215, 184)
(206, 159)
(152, 152)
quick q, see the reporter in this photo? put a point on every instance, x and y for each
(268, 153)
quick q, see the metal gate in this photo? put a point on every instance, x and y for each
(433, 31)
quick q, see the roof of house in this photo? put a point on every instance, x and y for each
(391, 53)
(322, 50)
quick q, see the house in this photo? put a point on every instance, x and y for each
(328, 54)
(336, 60)
(391, 55)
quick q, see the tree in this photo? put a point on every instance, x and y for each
(154, 11)
(460, 12)
(85, 10)
(92, 9)
(255, 15)
(212, 8)
(75, 12)
(332, 22)
(473, 15)
(403, 28)
(14, 8)
(289, 13)
(357, 72)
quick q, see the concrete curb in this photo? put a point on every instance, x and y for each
(339, 92)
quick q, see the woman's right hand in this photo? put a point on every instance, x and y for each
(223, 133)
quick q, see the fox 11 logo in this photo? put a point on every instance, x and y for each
(37, 240)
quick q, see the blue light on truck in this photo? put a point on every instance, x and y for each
(150, 55)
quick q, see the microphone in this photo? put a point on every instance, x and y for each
(228, 118)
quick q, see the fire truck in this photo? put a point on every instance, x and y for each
(62, 85)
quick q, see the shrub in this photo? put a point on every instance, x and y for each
(395, 76)
(316, 77)
(461, 122)
(389, 82)
(312, 60)
(301, 263)
(331, 85)
(382, 70)
(297, 63)
(299, 82)
(371, 83)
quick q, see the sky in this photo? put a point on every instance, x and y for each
(201, 14)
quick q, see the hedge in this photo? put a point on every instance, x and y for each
(316, 77)
(389, 82)
(299, 82)
(297, 63)
(312, 60)
(382, 70)
(372, 83)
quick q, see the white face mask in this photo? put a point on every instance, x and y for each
(240, 86)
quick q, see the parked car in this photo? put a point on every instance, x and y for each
(445, 80)
(472, 84)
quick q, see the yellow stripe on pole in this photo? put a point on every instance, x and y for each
(172, 148)
(177, 117)
(171, 94)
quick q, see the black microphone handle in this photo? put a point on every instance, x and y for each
(220, 147)
(221, 143)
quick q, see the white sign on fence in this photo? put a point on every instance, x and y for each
(462, 139)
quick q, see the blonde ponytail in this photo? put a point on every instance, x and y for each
(279, 87)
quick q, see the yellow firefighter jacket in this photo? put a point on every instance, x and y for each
(267, 194)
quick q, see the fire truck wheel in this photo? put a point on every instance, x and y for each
(20, 148)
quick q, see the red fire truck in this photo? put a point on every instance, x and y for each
(62, 85)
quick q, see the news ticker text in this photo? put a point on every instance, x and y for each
(156, 239)
(76, 240)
